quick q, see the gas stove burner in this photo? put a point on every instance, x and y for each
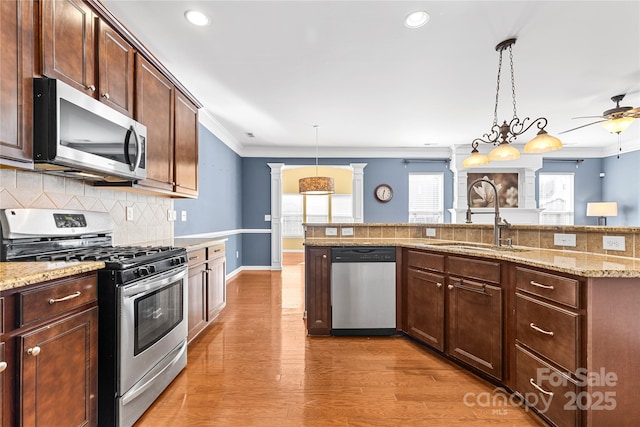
(111, 254)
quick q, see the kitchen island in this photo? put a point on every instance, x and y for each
(556, 327)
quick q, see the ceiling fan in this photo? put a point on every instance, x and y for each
(615, 120)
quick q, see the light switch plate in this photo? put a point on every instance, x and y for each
(613, 243)
(129, 213)
(560, 239)
(330, 231)
(267, 217)
(347, 231)
(183, 216)
(430, 232)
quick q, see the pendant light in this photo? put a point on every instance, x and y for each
(503, 135)
(316, 185)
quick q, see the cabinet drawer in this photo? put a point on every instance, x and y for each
(62, 296)
(550, 331)
(549, 286)
(197, 257)
(554, 393)
(215, 251)
(425, 260)
(474, 268)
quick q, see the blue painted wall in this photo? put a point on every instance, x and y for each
(621, 184)
(586, 181)
(218, 206)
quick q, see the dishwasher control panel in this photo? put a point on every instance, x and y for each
(363, 254)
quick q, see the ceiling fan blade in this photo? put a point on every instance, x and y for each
(589, 117)
(633, 113)
(579, 127)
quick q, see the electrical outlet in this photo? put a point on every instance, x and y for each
(171, 215)
(330, 231)
(430, 232)
(183, 216)
(347, 231)
(564, 239)
(613, 243)
(267, 217)
(129, 213)
(237, 254)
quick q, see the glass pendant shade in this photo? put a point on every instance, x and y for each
(475, 159)
(316, 185)
(618, 125)
(504, 151)
(542, 143)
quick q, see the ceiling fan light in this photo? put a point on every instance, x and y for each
(618, 125)
(542, 143)
(504, 151)
(475, 159)
(316, 185)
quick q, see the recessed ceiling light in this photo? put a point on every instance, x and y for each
(197, 18)
(416, 19)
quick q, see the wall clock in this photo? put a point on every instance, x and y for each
(383, 193)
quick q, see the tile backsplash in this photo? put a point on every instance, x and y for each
(26, 189)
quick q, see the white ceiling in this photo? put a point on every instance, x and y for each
(276, 68)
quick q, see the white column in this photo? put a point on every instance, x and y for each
(276, 215)
(358, 191)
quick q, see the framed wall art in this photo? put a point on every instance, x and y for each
(482, 195)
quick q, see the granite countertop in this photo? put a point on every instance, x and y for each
(193, 243)
(584, 264)
(17, 274)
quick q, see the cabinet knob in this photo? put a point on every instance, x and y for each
(3, 366)
(34, 351)
(91, 88)
(324, 256)
(450, 287)
(439, 284)
(105, 95)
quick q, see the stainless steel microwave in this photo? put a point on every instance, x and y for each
(75, 135)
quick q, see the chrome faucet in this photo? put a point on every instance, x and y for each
(498, 223)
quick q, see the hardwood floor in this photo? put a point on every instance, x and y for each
(256, 367)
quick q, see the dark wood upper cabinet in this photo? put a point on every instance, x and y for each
(16, 86)
(154, 109)
(186, 146)
(67, 41)
(115, 66)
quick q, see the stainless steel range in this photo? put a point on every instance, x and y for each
(142, 302)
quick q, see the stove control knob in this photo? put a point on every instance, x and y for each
(143, 271)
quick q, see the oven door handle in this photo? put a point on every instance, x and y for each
(154, 283)
(141, 387)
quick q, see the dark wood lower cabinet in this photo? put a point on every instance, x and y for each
(317, 280)
(474, 328)
(425, 307)
(3, 368)
(59, 372)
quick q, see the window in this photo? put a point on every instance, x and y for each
(292, 215)
(555, 196)
(341, 208)
(426, 197)
(316, 209)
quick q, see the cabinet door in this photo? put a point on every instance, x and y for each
(216, 297)
(474, 331)
(197, 316)
(318, 290)
(68, 43)
(59, 372)
(425, 307)
(115, 59)
(16, 84)
(186, 146)
(3, 367)
(154, 109)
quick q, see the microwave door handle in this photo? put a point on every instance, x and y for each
(136, 164)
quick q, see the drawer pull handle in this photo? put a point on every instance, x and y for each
(542, 331)
(34, 351)
(67, 298)
(3, 366)
(540, 285)
(191, 258)
(540, 389)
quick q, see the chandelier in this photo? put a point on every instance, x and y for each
(316, 185)
(503, 135)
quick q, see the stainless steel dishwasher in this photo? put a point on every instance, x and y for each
(363, 290)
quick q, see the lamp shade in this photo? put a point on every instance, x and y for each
(504, 151)
(316, 185)
(542, 143)
(618, 125)
(475, 159)
(602, 209)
